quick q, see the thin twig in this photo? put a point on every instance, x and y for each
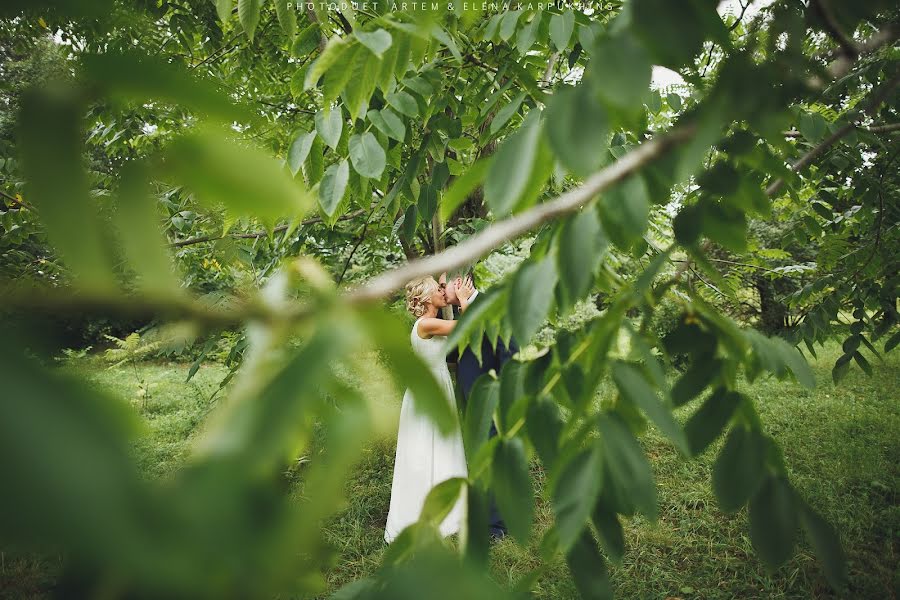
(258, 234)
(810, 156)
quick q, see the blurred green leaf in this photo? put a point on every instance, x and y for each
(462, 186)
(388, 123)
(531, 296)
(575, 494)
(773, 521)
(479, 415)
(578, 128)
(243, 179)
(137, 220)
(635, 388)
(508, 181)
(674, 32)
(588, 569)
(133, 76)
(625, 210)
(711, 418)
(580, 248)
(329, 125)
(827, 545)
(512, 486)
(620, 71)
(609, 530)
(545, 425)
(441, 500)
(629, 469)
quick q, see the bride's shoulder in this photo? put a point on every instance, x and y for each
(426, 327)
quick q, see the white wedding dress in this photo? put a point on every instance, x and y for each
(425, 457)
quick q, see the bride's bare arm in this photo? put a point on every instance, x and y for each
(430, 326)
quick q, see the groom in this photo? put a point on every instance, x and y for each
(468, 369)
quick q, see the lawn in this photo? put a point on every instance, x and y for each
(841, 444)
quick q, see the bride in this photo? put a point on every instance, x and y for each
(424, 457)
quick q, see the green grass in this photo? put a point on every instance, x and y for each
(841, 445)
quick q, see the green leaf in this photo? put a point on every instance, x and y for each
(314, 168)
(724, 224)
(404, 103)
(329, 125)
(410, 222)
(575, 494)
(306, 42)
(674, 101)
(505, 114)
(625, 210)
(388, 123)
(299, 150)
(561, 28)
(512, 393)
(739, 468)
(248, 13)
(528, 34)
(629, 468)
(462, 187)
(578, 128)
(427, 201)
(333, 187)
(580, 248)
(531, 296)
(892, 342)
(635, 388)
(812, 126)
(824, 540)
(508, 24)
(620, 71)
(336, 78)
(441, 500)
(377, 41)
(609, 530)
(358, 90)
(694, 381)
(711, 418)
(544, 424)
(287, 16)
(512, 486)
(223, 9)
(589, 569)
(326, 60)
(480, 414)
(367, 155)
(247, 181)
(773, 521)
(863, 363)
(507, 180)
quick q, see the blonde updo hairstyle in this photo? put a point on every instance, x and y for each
(418, 294)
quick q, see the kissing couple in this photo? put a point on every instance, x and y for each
(424, 456)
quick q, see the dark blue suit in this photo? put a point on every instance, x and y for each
(468, 370)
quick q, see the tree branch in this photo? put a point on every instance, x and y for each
(847, 45)
(483, 242)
